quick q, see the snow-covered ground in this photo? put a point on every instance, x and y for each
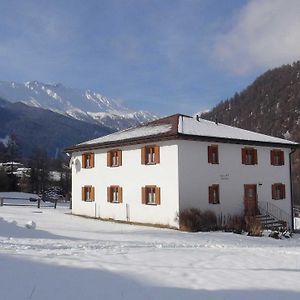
(69, 257)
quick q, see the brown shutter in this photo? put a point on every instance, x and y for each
(108, 194)
(157, 154)
(209, 154)
(92, 160)
(243, 156)
(282, 157)
(210, 194)
(255, 156)
(157, 195)
(83, 161)
(272, 157)
(283, 191)
(120, 194)
(273, 190)
(92, 193)
(217, 154)
(143, 195)
(217, 189)
(83, 194)
(143, 155)
(108, 158)
(119, 157)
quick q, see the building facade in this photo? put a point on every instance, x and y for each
(150, 173)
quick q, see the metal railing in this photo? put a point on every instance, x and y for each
(274, 211)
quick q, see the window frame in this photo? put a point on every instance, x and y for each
(278, 191)
(277, 157)
(88, 160)
(213, 154)
(114, 153)
(150, 150)
(111, 191)
(154, 191)
(88, 193)
(214, 194)
(249, 151)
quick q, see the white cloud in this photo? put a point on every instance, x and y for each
(264, 34)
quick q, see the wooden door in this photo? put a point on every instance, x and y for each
(250, 199)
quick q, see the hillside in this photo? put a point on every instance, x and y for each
(270, 105)
(84, 105)
(39, 127)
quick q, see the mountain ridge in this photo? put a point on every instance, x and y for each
(85, 105)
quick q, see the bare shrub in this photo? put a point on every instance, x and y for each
(235, 223)
(253, 226)
(193, 220)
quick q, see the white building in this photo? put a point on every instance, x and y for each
(148, 174)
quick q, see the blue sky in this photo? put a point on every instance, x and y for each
(165, 56)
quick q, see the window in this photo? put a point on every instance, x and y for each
(150, 155)
(213, 154)
(114, 194)
(278, 191)
(88, 193)
(88, 160)
(114, 158)
(213, 194)
(151, 195)
(277, 157)
(249, 156)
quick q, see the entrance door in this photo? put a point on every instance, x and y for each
(250, 199)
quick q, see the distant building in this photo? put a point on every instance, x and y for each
(150, 173)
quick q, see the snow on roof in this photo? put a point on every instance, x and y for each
(191, 126)
(131, 133)
(179, 124)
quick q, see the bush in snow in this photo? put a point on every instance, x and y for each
(235, 224)
(193, 220)
(30, 225)
(253, 226)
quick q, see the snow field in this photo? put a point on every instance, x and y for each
(69, 257)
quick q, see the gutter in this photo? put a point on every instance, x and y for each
(291, 187)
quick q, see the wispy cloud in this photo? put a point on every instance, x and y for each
(264, 34)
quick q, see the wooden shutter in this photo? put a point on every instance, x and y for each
(143, 155)
(83, 194)
(273, 191)
(108, 190)
(209, 154)
(108, 158)
(157, 154)
(243, 156)
(254, 151)
(283, 191)
(281, 158)
(92, 160)
(83, 161)
(93, 193)
(210, 194)
(120, 194)
(157, 195)
(119, 157)
(272, 154)
(143, 195)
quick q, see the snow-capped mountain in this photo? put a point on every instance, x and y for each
(84, 105)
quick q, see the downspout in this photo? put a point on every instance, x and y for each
(291, 188)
